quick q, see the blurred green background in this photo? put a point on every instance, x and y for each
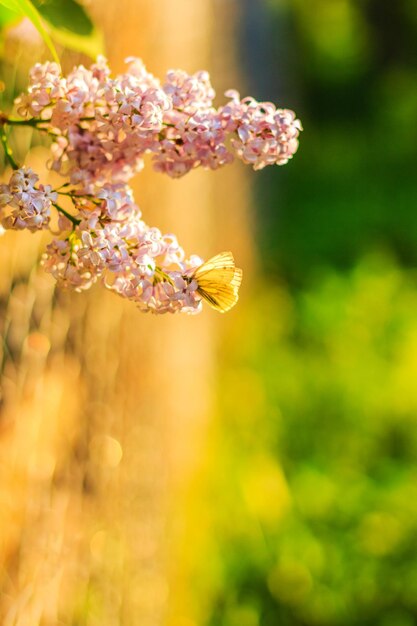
(312, 469)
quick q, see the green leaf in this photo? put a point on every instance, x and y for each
(66, 15)
(92, 46)
(66, 22)
(12, 5)
(26, 8)
(7, 16)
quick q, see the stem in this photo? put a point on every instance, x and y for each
(74, 194)
(62, 187)
(36, 121)
(7, 149)
(67, 215)
(32, 122)
(161, 276)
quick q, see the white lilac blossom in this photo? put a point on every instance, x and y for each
(101, 127)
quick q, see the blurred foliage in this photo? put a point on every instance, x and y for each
(351, 76)
(25, 8)
(310, 480)
(65, 20)
(71, 26)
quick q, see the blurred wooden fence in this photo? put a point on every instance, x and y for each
(103, 409)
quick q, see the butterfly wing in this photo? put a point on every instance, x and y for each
(224, 260)
(223, 264)
(218, 281)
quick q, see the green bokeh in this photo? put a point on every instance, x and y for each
(316, 440)
(315, 462)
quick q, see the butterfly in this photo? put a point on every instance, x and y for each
(218, 281)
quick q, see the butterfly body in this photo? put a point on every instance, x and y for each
(218, 281)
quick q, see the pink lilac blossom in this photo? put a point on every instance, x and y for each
(102, 126)
(24, 203)
(111, 243)
(189, 94)
(44, 90)
(101, 129)
(189, 142)
(263, 134)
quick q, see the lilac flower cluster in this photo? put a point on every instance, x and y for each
(23, 205)
(105, 239)
(101, 128)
